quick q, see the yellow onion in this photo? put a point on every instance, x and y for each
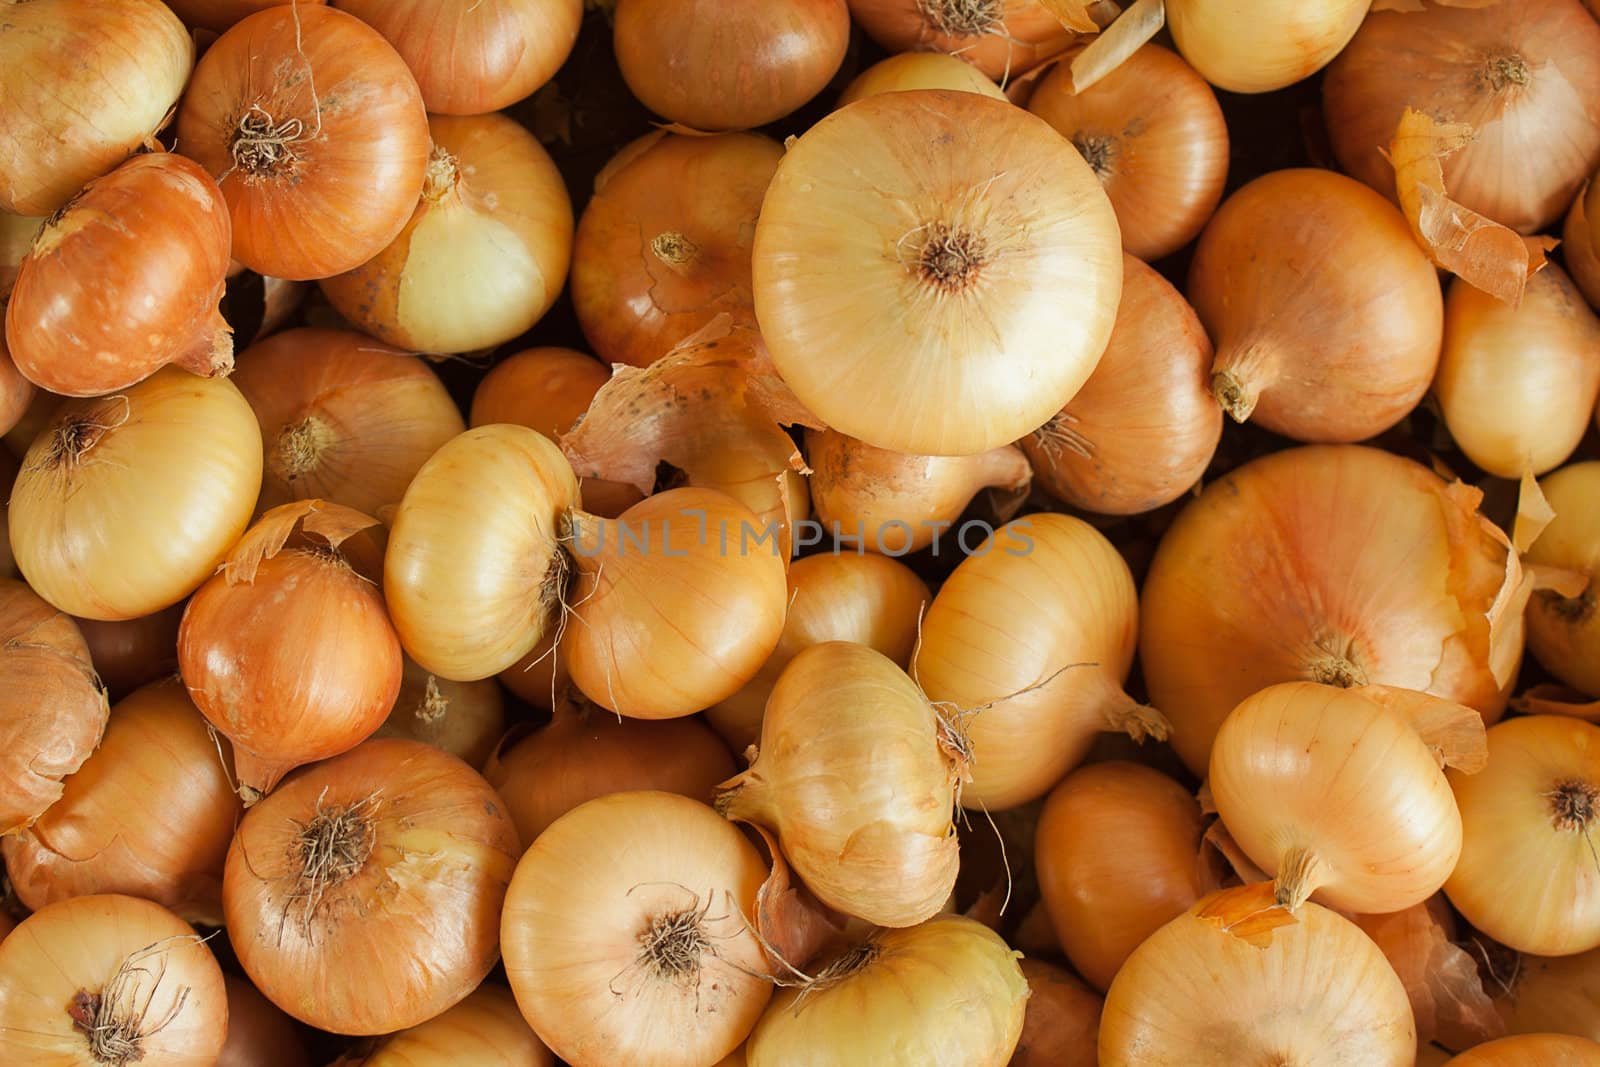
(17, 394)
(465, 719)
(126, 503)
(1228, 983)
(1577, 250)
(258, 1032)
(1062, 1025)
(1558, 995)
(1532, 1050)
(1563, 632)
(1335, 564)
(1256, 46)
(484, 254)
(943, 993)
(133, 652)
(958, 239)
(1518, 385)
(858, 777)
(1535, 807)
(1002, 38)
(1030, 641)
(625, 935)
(485, 1030)
(919, 70)
(1442, 980)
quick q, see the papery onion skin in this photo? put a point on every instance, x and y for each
(87, 82)
(1116, 851)
(893, 227)
(1564, 632)
(1003, 39)
(483, 256)
(138, 967)
(719, 65)
(134, 652)
(1578, 252)
(944, 993)
(1524, 76)
(1535, 807)
(1442, 978)
(1554, 995)
(258, 1032)
(595, 896)
(429, 849)
(1256, 46)
(470, 58)
(315, 130)
(486, 1030)
(663, 246)
(465, 719)
(1532, 1050)
(1154, 135)
(1062, 1022)
(165, 473)
(919, 70)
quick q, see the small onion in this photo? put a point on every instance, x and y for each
(133, 652)
(1062, 1025)
(338, 884)
(1578, 252)
(465, 719)
(1554, 995)
(1256, 46)
(258, 1033)
(485, 1030)
(484, 254)
(1532, 1050)
(16, 237)
(1002, 38)
(919, 70)
(1564, 632)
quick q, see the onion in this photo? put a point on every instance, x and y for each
(149, 813)
(1117, 851)
(131, 653)
(475, 56)
(1520, 74)
(109, 980)
(1559, 995)
(465, 719)
(41, 409)
(1034, 634)
(1153, 133)
(864, 598)
(1534, 808)
(1341, 565)
(1227, 983)
(1532, 1050)
(338, 884)
(895, 503)
(1256, 46)
(728, 66)
(663, 246)
(1518, 385)
(343, 418)
(86, 83)
(315, 130)
(544, 389)
(219, 15)
(1326, 315)
(946, 992)
(16, 392)
(1063, 1019)
(8, 478)
(16, 237)
(1002, 38)
(958, 239)
(858, 777)
(919, 70)
(1563, 632)
(486, 1030)
(1442, 981)
(584, 755)
(1144, 427)
(625, 924)
(1578, 250)
(287, 650)
(53, 709)
(258, 1032)
(485, 252)
(126, 503)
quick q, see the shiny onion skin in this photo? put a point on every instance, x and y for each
(626, 923)
(218, 15)
(1523, 75)
(316, 132)
(124, 280)
(485, 1030)
(1002, 38)
(127, 503)
(663, 246)
(728, 64)
(484, 254)
(1327, 316)
(1335, 564)
(343, 418)
(1034, 635)
(133, 652)
(1154, 135)
(1564, 632)
(85, 83)
(919, 70)
(985, 290)
(947, 993)
(1532, 1050)
(1117, 851)
(1212, 989)
(1144, 427)
(149, 814)
(471, 57)
(465, 719)
(258, 1032)
(338, 885)
(1062, 1024)
(1256, 46)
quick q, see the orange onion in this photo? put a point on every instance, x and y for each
(337, 885)
(86, 83)
(475, 56)
(663, 246)
(728, 66)
(1326, 315)
(1335, 564)
(133, 652)
(1144, 427)
(1558, 995)
(486, 1030)
(343, 418)
(919, 70)
(958, 239)
(1520, 74)
(314, 128)
(1117, 851)
(1031, 640)
(1577, 249)
(625, 922)
(16, 392)
(1154, 135)
(540, 678)
(1532, 1050)
(484, 254)
(1002, 38)
(465, 719)
(1442, 979)
(1256, 46)
(1062, 1024)
(258, 1032)
(109, 979)
(1564, 632)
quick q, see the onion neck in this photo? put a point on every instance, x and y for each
(1336, 664)
(442, 176)
(743, 798)
(257, 776)
(1238, 375)
(1121, 714)
(1001, 468)
(1300, 874)
(210, 355)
